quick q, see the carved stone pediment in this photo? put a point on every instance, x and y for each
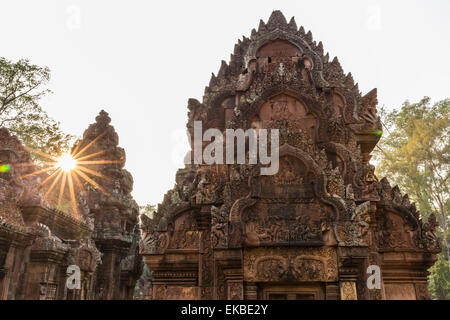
(281, 235)
(268, 223)
(394, 232)
(180, 232)
(297, 175)
(183, 232)
(291, 182)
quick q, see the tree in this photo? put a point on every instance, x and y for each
(147, 210)
(414, 153)
(439, 283)
(22, 85)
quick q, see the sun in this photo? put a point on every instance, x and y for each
(66, 162)
(69, 170)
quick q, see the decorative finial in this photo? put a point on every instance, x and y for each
(293, 25)
(103, 118)
(276, 20)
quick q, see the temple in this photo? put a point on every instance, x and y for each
(319, 227)
(322, 227)
(43, 231)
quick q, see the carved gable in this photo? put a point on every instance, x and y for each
(311, 228)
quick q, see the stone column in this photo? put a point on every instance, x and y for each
(108, 273)
(332, 291)
(206, 255)
(42, 274)
(4, 270)
(235, 283)
(12, 268)
(250, 291)
(352, 261)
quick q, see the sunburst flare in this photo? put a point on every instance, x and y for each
(68, 171)
(66, 162)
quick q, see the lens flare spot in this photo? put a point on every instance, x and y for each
(378, 133)
(5, 168)
(66, 162)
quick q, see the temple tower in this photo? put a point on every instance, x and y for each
(113, 210)
(313, 229)
(55, 222)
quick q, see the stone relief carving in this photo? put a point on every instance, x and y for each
(325, 194)
(267, 223)
(235, 290)
(281, 264)
(348, 290)
(219, 226)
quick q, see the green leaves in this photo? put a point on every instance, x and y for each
(416, 150)
(148, 210)
(22, 85)
(439, 283)
(414, 153)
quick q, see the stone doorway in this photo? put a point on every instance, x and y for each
(310, 291)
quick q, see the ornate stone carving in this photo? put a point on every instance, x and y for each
(219, 226)
(302, 264)
(348, 290)
(235, 290)
(268, 223)
(50, 236)
(325, 199)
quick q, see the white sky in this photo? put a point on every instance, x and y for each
(142, 60)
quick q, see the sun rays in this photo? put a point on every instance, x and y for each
(65, 176)
(66, 162)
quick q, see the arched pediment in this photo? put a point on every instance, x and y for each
(290, 40)
(278, 48)
(283, 106)
(280, 106)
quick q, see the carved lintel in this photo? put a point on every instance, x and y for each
(302, 264)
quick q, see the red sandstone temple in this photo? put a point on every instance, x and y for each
(39, 240)
(312, 230)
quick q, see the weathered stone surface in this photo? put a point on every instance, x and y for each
(114, 211)
(39, 238)
(312, 229)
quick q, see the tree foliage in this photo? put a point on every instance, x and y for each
(148, 210)
(22, 85)
(414, 153)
